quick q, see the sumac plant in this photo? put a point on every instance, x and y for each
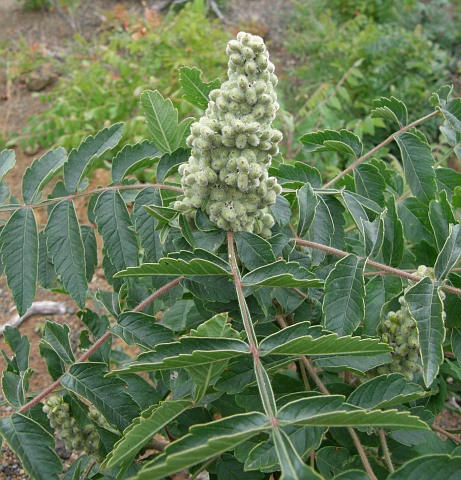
(285, 327)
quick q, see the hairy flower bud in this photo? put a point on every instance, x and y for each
(233, 144)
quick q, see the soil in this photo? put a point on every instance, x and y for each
(51, 32)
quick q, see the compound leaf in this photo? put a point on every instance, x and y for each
(390, 109)
(450, 252)
(332, 141)
(195, 90)
(131, 158)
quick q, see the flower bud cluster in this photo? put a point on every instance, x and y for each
(233, 143)
(399, 330)
(74, 438)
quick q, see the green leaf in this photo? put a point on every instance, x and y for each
(307, 206)
(357, 365)
(19, 240)
(370, 183)
(137, 328)
(321, 230)
(15, 387)
(291, 464)
(20, 346)
(415, 221)
(393, 241)
(142, 430)
(195, 91)
(390, 109)
(181, 315)
(426, 307)
(65, 244)
(452, 113)
(204, 442)
(145, 224)
(115, 226)
(91, 250)
(253, 250)
(429, 467)
(33, 445)
(301, 339)
(132, 158)
(440, 216)
(418, 165)
(282, 274)
(332, 141)
(82, 159)
(329, 411)
(163, 214)
(7, 161)
(162, 120)
(176, 266)
(447, 180)
(46, 272)
(450, 253)
(264, 455)
(298, 172)
(169, 163)
(386, 391)
(228, 468)
(373, 233)
(188, 352)
(41, 172)
(57, 338)
(107, 394)
(343, 304)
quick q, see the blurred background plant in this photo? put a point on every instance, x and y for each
(332, 59)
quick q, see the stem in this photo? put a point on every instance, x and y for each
(447, 434)
(387, 453)
(98, 344)
(52, 201)
(381, 145)
(263, 385)
(204, 467)
(373, 264)
(325, 391)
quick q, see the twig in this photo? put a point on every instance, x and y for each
(371, 263)
(37, 308)
(98, 344)
(378, 147)
(386, 452)
(447, 434)
(214, 6)
(313, 374)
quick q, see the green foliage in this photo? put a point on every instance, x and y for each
(317, 352)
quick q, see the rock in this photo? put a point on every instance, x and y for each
(42, 77)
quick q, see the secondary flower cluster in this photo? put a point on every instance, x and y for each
(399, 330)
(74, 438)
(233, 143)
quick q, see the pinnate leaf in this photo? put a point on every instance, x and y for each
(132, 158)
(253, 250)
(390, 109)
(143, 429)
(195, 90)
(19, 240)
(7, 161)
(81, 159)
(65, 244)
(452, 113)
(343, 304)
(41, 172)
(426, 307)
(332, 141)
(33, 445)
(162, 120)
(450, 252)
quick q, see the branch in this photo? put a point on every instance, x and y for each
(98, 344)
(51, 201)
(386, 452)
(381, 145)
(37, 308)
(372, 263)
(447, 434)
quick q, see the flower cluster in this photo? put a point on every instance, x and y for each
(233, 143)
(399, 330)
(74, 438)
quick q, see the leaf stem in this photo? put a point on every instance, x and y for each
(372, 263)
(386, 452)
(378, 147)
(313, 374)
(98, 344)
(447, 434)
(51, 201)
(263, 384)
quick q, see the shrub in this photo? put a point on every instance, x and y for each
(257, 355)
